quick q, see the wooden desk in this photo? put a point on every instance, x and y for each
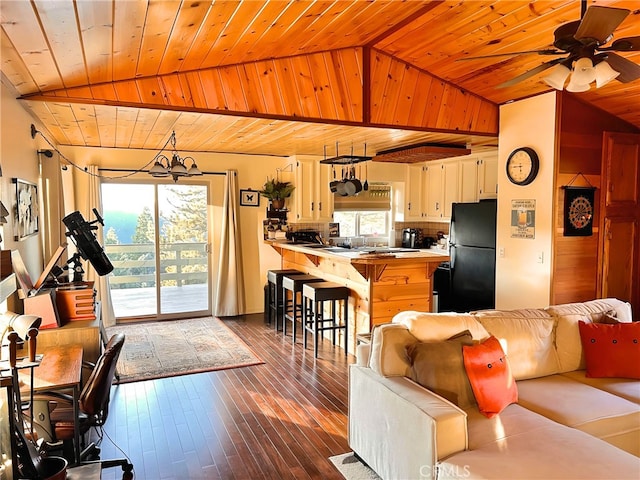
(59, 370)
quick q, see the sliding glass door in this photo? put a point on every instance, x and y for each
(156, 236)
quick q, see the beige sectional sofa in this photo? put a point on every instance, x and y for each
(564, 425)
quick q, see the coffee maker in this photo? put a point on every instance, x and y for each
(411, 238)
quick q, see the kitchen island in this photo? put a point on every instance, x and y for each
(383, 282)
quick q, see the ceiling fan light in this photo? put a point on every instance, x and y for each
(557, 76)
(604, 74)
(583, 71)
(577, 87)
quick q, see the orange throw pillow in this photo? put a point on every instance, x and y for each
(490, 376)
(611, 350)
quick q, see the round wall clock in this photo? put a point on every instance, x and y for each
(522, 166)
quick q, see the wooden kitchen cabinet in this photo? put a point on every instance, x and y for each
(442, 189)
(478, 178)
(312, 198)
(415, 189)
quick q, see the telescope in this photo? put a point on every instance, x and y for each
(81, 233)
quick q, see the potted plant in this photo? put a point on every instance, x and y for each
(276, 191)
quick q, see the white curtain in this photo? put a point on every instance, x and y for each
(101, 284)
(229, 299)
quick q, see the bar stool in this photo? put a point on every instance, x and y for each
(292, 308)
(313, 297)
(274, 299)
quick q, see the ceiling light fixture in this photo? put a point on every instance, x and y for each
(582, 75)
(174, 167)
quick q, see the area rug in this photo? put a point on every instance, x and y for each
(179, 347)
(353, 469)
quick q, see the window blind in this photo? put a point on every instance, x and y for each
(377, 198)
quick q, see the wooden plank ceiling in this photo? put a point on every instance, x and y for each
(283, 77)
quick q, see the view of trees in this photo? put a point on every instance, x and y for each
(182, 238)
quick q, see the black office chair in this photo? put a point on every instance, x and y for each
(53, 411)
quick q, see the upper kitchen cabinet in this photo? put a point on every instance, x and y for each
(478, 178)
(312, 198)
(415, 189)
(442, 189)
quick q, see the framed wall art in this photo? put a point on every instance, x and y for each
(249, 198)
(27, 209)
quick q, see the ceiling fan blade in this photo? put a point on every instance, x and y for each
(627, 44)
(531, 73)
(629, 71)
(599, 23)
(539, 52)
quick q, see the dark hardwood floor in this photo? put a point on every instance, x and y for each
(279, 420)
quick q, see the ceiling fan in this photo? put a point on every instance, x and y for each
(586, 58)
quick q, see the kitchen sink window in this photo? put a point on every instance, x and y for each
(365, 214)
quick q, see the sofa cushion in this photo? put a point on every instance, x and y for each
(490, 376)
(621, 387)
(546, 451)
(526, 337)
(438, 366)
(611, 350)
(388, 354)
(596, 412)
(434, 327)
(568, 343)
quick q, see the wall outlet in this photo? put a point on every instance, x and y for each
(501, 252)
(541, 257)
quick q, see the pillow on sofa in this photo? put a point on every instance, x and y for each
(388, 353)
(611, 350)
(490, 376)
(438, 366)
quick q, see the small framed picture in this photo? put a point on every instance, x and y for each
(27, 208)
(249, 198)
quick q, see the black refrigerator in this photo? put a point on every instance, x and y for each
(472, 237)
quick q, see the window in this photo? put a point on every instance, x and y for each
(362, 223)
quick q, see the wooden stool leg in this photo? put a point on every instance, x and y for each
(346, 325)
(318, 317)
(285, 310)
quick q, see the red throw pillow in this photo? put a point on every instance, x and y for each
(611, 350)
(490, 376)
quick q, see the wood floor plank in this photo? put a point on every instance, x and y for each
(278, 420)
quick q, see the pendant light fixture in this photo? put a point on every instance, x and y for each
(174, 167)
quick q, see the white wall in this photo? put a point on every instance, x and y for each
(521, 281)
(19, 159)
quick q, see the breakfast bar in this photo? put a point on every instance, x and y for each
(382, 281)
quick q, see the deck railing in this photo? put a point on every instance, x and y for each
(135, 264)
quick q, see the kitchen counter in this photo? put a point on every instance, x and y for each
(383, 281)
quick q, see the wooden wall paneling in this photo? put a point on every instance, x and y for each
(447, 105)
(151, 91)
(21, 25)
(127, 119)
(105, 91)
(173, 91)
(290, 94)
(234, 96)
(95, 23)
(352, 61)
(83, 92)
(212, 88)
(270, 87)
(306, 89)
(128, 21)
(328, 97)
(185, 27)
(432, 111)
(344, 108)
(198, 98)
(392, 91)
(127, 91)
(405, 99)
(418, 110)
(159, 22)
(380, 66)
(252, 88)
